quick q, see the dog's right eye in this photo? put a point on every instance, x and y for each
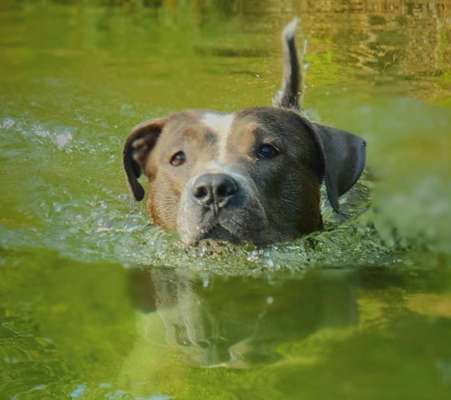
(178, 159)
(267, 150)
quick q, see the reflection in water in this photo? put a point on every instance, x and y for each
(67, 329)
(230, 322)
(308, 332)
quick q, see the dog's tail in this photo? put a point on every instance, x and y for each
(291, 90)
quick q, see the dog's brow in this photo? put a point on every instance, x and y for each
(254, 128)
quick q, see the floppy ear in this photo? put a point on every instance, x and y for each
(343, 158)
(137, 147)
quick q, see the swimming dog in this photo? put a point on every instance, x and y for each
(252, 175)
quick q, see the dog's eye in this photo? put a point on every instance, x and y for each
(267, 151)
(178, 159)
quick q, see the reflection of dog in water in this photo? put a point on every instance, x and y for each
(231, 322)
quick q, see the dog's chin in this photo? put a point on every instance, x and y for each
(212, 233)
(220, 234)
(236, 226)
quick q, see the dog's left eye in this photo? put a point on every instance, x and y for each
(178, 158)
(267, 151)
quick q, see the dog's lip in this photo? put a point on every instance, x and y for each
(218, 232)
(228, 225)
(215, 230)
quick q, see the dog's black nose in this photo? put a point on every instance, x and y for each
(214, 189)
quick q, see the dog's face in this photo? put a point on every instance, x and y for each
(254, 175)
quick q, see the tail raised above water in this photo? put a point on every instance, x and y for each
(292, 83)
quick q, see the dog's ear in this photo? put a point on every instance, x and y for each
(137, 147)
(343, 157)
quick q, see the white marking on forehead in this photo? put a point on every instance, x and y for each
(220, 124)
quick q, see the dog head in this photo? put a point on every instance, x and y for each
(252, 175)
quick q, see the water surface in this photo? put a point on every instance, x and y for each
(96, 303)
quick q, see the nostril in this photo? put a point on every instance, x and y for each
(222, 190)
(201, 192)
(226, 189)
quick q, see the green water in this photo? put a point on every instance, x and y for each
(96, 303)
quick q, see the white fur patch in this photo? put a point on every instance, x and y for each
(220, 124)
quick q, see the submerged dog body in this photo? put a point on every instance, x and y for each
(253, 175)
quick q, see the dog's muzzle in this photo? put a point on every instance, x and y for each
(220, 206)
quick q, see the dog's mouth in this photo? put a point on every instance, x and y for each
(217, 232)
(235, 225)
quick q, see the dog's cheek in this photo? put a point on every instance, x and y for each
(295, 201)
(309, 202)
(152, 210)
(163, 203)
